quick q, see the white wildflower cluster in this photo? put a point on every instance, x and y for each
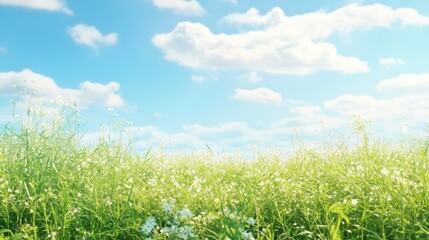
(242, 223)
(179, 232)
(246, 235)
(176, 223)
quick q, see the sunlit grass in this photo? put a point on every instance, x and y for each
(53, 187)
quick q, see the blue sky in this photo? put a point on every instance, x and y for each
(230, 74)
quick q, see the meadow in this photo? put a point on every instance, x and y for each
(54, 187)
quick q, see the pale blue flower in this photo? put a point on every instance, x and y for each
(168, 208)
(149, 226)
(185, 214)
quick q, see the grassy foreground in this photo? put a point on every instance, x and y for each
(52, 187)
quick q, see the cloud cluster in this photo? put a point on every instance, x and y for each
(27, 83)
(411, 100)
(184, 7)
(410, 108)
(49, 5)
(280, 44)
(90, 36)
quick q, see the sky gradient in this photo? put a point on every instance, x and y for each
(227, 73)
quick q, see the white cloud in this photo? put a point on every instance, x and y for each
(90, 36)
(198, 79)
(391, 61)
(49, 5)
(405, 82)
(185, 7)
(252, 17)
(322, 24)
(27, 83)
(262, 94)
(252, 77)
(412, 106)
(193, 45)
(280, 44)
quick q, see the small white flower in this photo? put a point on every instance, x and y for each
(247, 235)
(354, 202)
(251, 221)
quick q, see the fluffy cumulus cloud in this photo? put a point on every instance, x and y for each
(405, 82)
(410, 101)
(413, 107)
(90, 36)
(185, 7)
(49, 5)
(391, 61)
(409, 105)
(27, 82)
(280, 44)
(262, 95)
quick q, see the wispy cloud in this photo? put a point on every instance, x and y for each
(391, 61)
(262, 95)
(301, 50)
(232, 1)
(29, 83)
(184, 7)
(198, 79)
(49, 5)
(90, 36)
(2, 49)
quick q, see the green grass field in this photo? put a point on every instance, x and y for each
(54, 187)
